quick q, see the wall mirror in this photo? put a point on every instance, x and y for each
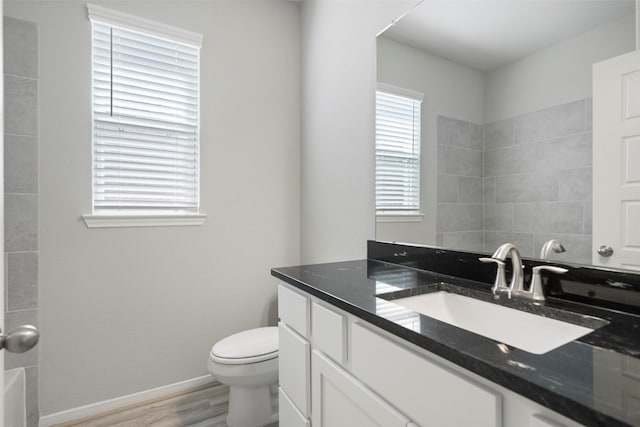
(506, 119)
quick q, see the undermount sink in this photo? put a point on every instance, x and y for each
(526, 331)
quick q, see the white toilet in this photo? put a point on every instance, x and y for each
(248, 363)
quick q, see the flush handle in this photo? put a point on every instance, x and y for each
(605, 251)
(21, 339)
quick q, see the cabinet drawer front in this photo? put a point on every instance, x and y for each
(289, 416)
(339, 400)
(424, 390)
(294, 365)
(328, 330)
(293, 309)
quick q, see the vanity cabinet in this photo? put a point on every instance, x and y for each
(338, 370)
(315, 389)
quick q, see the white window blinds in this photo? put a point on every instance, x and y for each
(397, 150)
(145, 115)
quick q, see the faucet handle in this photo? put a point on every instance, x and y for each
(537, 294)
(500, 284)
(551, 246)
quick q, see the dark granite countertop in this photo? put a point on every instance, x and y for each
(589, 380)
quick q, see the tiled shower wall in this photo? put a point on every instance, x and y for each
(21, 193)
(536, 183)
(537, 170)
(459, 219)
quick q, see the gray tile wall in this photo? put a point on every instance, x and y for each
(459, 219)
(523, 180)
(537, 181)
(21, 193)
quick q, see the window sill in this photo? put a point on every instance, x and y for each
(400, 217)
(142, 220)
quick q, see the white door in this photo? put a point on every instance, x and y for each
(616, 162)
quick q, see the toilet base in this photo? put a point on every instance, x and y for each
(250, 407)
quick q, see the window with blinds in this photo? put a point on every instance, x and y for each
(145, 115)
(397, 150)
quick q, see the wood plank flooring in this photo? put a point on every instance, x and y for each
(203, 406)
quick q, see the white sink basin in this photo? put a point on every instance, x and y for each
(526, 331)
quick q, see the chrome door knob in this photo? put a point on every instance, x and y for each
(605, 251)
(21, 339)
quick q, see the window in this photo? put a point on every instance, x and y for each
(146, 102)
(397, 151)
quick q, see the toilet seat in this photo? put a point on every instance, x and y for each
(252, 346)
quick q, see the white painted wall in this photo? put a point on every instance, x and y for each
(556, 75)
(450, 90)
(125, 310)
(338, 103)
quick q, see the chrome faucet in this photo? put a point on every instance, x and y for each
(551, 246)
(516, 285)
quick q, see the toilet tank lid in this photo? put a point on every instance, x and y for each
(254, 342)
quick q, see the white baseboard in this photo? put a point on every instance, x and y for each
(123, 401)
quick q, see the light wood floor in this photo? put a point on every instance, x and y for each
(203, 406)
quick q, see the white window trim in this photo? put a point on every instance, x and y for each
(114, 220)
(114, 17)
(143, 220)
(416, 96)
(382, 216)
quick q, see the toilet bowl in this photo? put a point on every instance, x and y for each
(248, 363)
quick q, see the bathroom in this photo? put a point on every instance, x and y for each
(125, 310)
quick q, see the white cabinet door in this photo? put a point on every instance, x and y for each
(616, 160)
(289, 415)
(339, 400)
(295, 368)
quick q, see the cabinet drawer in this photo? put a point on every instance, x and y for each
(289, 416)
(294, 365)
(328, 330)
(424, 390)
(293, 309)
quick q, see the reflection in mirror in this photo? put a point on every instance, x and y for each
(627, 381)
(506, 141)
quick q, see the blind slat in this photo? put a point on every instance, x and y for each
(145, 121)
(397, 152)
